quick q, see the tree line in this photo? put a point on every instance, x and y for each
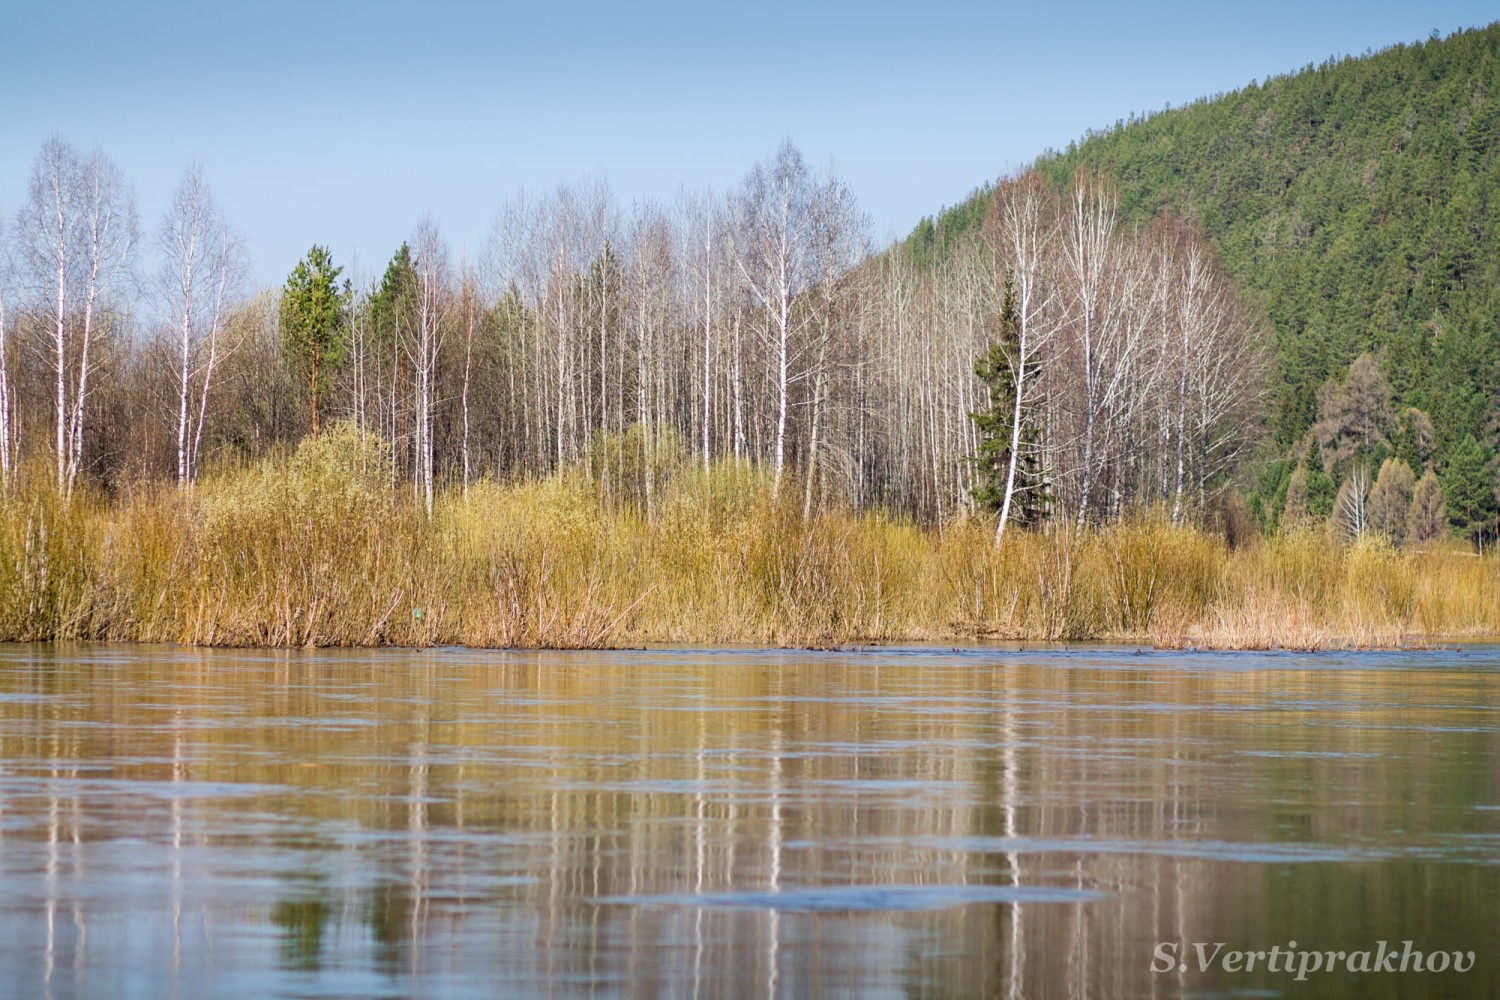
(1354, 202)
(1058, 363)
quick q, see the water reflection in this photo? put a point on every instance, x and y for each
(302, 922)
(691, 823)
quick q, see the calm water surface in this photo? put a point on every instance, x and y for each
(925, 822)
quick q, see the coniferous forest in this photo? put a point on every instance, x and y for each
(1354, 206)
(1269, 315)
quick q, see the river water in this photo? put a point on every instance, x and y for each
(729, 822)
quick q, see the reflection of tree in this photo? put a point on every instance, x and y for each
(480, 812)
(387, 913)
(302, 922)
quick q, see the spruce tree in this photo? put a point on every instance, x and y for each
(1469, 488)
(1321, 489)
(996, 369)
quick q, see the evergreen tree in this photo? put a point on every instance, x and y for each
(393, 303)
(1268, 497)
(1469, 488)
(312, 322)
(996, 369)
(1414, 438)
(1321, 489)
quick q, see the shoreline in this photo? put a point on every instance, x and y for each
(1134, 645)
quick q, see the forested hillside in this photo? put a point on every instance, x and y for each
(1356, 202)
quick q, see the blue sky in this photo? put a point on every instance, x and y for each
(342, 122)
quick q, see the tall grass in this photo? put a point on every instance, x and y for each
(318, 548)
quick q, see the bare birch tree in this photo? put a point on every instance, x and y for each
(1351, 505)
(1222, 372)
(838, 235)
(703, 222)
(1023, 225)
(7, 406)
(432, 292)
(1086, 249)
(794, 236)
(202, 266)
(77, 232)
(471, 308)
(774, 252)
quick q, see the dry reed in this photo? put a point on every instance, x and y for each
(320, 548)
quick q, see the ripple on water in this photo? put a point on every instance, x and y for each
(1248, 852)
(865, 898)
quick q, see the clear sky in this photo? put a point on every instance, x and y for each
(342, 122)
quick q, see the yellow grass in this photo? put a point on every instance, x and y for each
(321, 549)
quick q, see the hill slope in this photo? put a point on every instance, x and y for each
(1359, 201)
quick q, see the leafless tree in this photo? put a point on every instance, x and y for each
(1351, 506)
(651, 276)
(202, 268)
(794, 236)
(1088, 251)
(774, 254)
(471, 307)
(1221, 368)
(1023, 225)
(838, 231)
(7, 405)
(77, 232)
(1390, 499)
(703, 224)
(432, 304)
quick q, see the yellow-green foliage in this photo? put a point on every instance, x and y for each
(46, 587)
(638, 544)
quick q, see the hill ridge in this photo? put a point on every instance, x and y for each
(1358, 201)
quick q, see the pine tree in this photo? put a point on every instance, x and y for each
(312, 321)
(393, 302)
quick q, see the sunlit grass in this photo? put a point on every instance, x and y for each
(322, 548)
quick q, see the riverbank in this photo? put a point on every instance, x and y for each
(320, 549)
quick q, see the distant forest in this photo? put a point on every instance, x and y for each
(1356, 205)
(1279, 303)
